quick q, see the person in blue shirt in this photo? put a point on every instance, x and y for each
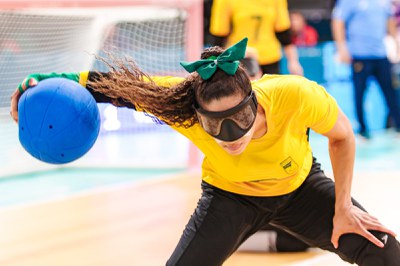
(359, 29)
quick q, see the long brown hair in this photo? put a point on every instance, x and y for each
(173, 105)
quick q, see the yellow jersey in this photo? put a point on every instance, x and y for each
(278, 162)
(256, 19)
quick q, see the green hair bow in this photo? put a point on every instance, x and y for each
(228, 61)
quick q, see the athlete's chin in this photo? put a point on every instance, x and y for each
(234, 152)
(234, 149)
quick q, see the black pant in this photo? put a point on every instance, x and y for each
(223, 220)
(362, 69)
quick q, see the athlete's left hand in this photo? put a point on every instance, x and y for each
(352, 219)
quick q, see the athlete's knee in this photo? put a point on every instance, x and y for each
(288, 243)
(373, 255)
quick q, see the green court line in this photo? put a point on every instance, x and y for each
(63, 182)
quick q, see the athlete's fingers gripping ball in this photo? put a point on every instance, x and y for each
(59, 120)
(27, 83)
(32, 79)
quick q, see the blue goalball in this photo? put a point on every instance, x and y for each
(58, 120)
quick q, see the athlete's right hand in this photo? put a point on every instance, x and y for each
(31, 81)
(28, 82)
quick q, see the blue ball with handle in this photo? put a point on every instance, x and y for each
(58, 120)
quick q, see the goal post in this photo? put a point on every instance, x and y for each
(193, 9)
(41, 36)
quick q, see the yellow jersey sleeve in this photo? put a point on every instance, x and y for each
(220, 20)
(282, 19)
(83, 78)
(166, 81)
(301, 100)
(312, 105)
(163, 81)
(320, 108)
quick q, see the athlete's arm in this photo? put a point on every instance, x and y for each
(99, 97)
(348, 218)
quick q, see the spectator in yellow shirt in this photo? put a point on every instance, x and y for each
(266, 23)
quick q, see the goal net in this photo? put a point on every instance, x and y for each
(39, 37)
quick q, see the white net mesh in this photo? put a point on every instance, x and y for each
(66, 40)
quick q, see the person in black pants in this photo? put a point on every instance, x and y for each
(366, 52)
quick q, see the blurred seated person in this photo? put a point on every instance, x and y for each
(302, 33)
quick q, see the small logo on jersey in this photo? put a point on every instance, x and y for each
(289, 166)
(384, 239)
